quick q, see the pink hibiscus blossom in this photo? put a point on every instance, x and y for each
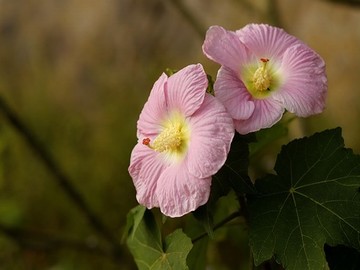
(184, 136)
(264, 71)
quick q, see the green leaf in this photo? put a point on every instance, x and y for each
(204, 215)
(133, 220)
(267, 136)
(149, 251)
(314, 199)
(197, 258)
(210, 88)
(234, 172)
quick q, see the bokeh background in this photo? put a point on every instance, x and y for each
(77, 73)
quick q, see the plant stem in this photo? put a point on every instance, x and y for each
(59, 176)
(220, 224)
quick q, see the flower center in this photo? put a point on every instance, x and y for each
(173, 138)
(262, 77)
(170, 139)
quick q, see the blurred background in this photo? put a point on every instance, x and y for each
(78, 72)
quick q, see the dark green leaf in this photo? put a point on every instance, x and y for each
(314, 199)
(341, 257)
(204, 215)
(149, 251)
(234, 173)
(198, 254)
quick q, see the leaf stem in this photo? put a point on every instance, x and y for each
(219, 224)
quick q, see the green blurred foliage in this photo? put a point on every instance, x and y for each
(78, 73)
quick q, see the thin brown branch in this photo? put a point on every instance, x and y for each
(189, 17)
(59, 176)
(242, 212)
(40, 241)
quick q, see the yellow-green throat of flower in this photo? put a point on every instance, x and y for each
(260, 79)
(173, 138)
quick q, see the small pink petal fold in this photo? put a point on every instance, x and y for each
(184, 136)
(266, 114)
(224, 47)
(233, 94)
(264, 71)
(187, 89)
(154, 109)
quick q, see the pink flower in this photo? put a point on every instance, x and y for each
(265, 71)
(184, 136)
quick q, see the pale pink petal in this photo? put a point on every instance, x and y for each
(265, 41)
(267, 112)
(225, 48)
(180, 193)
(304, 81)
(145, 168)
(154, 109)
(186, 89)
(231, 91)
(212, 131)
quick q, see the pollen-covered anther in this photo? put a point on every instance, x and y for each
(170, 139)
(262, 77)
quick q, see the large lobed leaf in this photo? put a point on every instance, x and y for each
(314, 199)
(146, 245)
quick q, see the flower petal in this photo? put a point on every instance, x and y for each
(212, 131)
(304, 81)
(180, 193)
(145, 169)
(154, 109)
(225, 48)
(266, 41)
(231, 91)
(267, 112)
(186, 89)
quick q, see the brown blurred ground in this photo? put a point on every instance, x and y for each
(78, 72)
